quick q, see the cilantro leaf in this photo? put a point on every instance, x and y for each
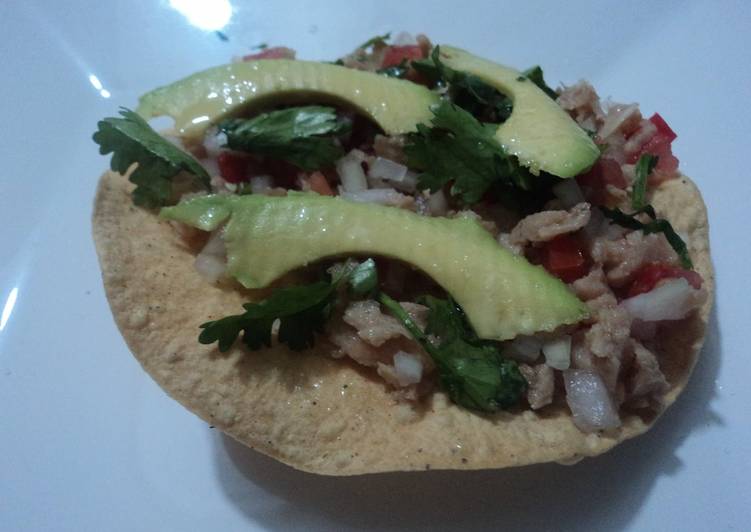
(446, 319)
(473, 372)
(130, 139)
(644, 167)
(363, 279)
(301, 310)
(534, 74)
(458, 148)
(656, 225)
(377, 40)
(466, 90)
(302, 136)
(395, 71)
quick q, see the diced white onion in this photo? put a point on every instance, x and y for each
(672, 300)
(589, 401)
(616, 117)
(558, 352)
(397, 175)
(569, 192)
(351, 173)
(438, 205)
(214, 142)
(387, 169)
(211, 262)
(260, 184)
(408, 368)
(523, 348)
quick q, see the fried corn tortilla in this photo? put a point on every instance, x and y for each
(323, 415)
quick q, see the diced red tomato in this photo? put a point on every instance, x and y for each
(660, 145)
(564, 257)
(663, 129)
(319, 184)
(233, 167)
(394, 55)
(605, 171)
(277, 52)
(648, 277)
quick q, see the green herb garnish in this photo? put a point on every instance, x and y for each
(466, 90)
(395, 71)
(472, 372)
(301, 310)
(644, 167)
(459, 148)
(303, 136)
(656, 225)
(363, 279)
(130, 139)
(535, 75)
(377, 40)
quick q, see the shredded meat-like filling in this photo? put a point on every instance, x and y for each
(541, 383)
(612, 352)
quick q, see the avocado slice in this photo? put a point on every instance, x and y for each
(206, 97)
(502, 294)
(541, 134)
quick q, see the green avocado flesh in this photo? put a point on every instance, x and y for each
(502, 294)
(206, 97)
(538, 132)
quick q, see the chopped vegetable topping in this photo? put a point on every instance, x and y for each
(233, 167)
(395, 71)
(377, 40)
(564, 257)
(535, 75)
(363, 279)
(458, 148)
(644, 167)
(648, 277)
(302, 136)
(130, 139)
(396, 55)
(465, 90)
(301, 310)
(656, 225)
(472, 372)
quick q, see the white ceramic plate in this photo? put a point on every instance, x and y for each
(89, 442)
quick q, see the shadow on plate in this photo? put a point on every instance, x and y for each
(599, 493)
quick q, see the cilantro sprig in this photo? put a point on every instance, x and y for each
(472, 372)
(130, 140)
(466, 90)
(535, 75)
(302, 312)
(380, 40)
(644, 167)
(459, 149)
(303, 136)
(395, 71)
